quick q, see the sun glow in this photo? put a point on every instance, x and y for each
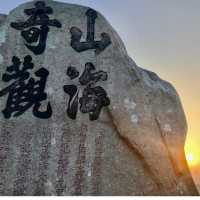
(192, 152)
(190, 159)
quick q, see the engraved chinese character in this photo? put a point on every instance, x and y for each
(90, 42)
(36, 28)
(25, 92)
(93, 99)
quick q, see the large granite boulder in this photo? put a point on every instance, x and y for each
(78, 116)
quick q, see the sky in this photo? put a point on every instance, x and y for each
(162, 36)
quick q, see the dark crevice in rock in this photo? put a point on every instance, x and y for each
(153, 76)
(135, 151)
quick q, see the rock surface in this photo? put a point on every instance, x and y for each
(135, 147)
(2, 18)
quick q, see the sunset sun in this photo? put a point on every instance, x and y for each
(192, 154)
(191, 159)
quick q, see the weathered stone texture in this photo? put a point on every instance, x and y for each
(136, 147)
(2, 18)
